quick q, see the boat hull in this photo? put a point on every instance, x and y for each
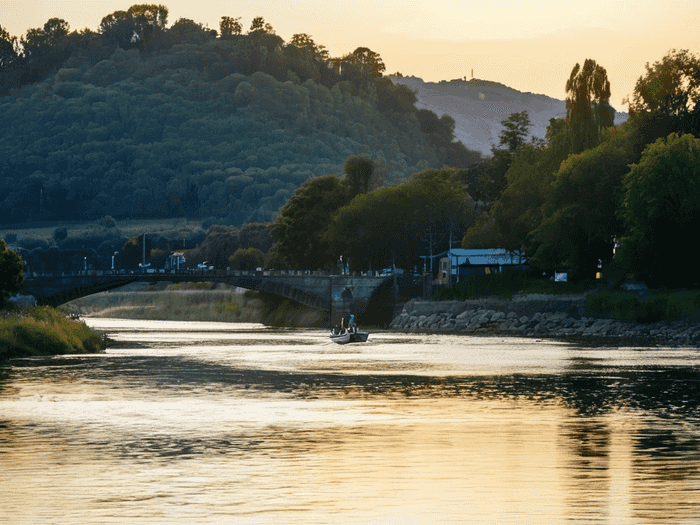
(350, 337)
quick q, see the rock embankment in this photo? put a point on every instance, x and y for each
(538, 316)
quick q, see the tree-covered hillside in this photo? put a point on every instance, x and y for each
(143, 120)
(478, 107)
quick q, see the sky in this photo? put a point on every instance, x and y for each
(530, 46)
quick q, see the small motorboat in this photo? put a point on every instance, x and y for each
(342, 335)
(349, 336)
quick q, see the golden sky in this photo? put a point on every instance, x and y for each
(530, 46)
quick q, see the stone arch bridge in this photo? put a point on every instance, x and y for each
(340, 295)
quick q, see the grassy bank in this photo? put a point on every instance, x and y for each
(43, 330)
(656, 306)
(507, 284)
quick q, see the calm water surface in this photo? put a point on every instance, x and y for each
(220, 423)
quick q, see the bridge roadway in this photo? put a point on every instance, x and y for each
(340, 294)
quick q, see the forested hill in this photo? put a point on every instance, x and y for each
(194, 124)
(479, 106)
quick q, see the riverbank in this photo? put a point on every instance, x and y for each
(538, 315)
(35, 331)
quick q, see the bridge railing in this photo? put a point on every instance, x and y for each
(199, 273)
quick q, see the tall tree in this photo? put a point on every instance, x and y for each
(229, 26)
(11, 273)
(40, 41)
(8, 51)
(366, 60)
(306, 42)
(579, 215)
(402, 222)
(258, 25)
(153, 15)
(302, 223)
(516, 128)
(588, 109)
(661, 207)
(358, 171)
(668, 96)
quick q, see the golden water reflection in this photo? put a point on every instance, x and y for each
(150, 437)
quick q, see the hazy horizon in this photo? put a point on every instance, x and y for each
(531, 48)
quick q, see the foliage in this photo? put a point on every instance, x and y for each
(247, 259)
(671, 86)
(11, 273)
(483, 233)
(505, 285)
(516, 128)
(141, 120)
(667, 98)
(588, 110)
(44, 331)
(229, 26)
(8, 51)
(661, 205)
(645, 309)
(302, 223)
(358, 171)
(518, 210)
(222, 242)
(579, 221)
(415, 217)
(132, 252)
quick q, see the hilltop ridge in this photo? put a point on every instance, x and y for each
(478, 106)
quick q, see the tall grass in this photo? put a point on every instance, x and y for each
(44, 331)
(505, 285)
(178, 302)
(646, 309)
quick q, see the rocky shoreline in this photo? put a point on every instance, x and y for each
(557, 317)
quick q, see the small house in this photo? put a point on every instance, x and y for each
(459, 263)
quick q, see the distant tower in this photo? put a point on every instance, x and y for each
(472, 73)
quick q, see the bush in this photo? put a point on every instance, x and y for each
(44, 331)
(649, 309)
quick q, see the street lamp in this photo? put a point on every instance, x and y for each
(85, 262)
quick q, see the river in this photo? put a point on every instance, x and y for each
(238, 423)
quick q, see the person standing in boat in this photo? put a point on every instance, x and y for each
(352, 327)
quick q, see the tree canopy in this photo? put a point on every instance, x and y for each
(661, 206)
(144, 120)
(588, 109)
(11, 273)
(400, 223)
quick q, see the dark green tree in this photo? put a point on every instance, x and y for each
(661, 207)
(366, 60)
(667, 98)
(588, 109)
(229, 26)
(8, 51)
(151, 14)
(305, 42)
(258, 25)
(579, 215)
(301, 224)
(11, 273)
(246, 259)
(190, 32)
(358, 171)
(399, 224)
(515, 132)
